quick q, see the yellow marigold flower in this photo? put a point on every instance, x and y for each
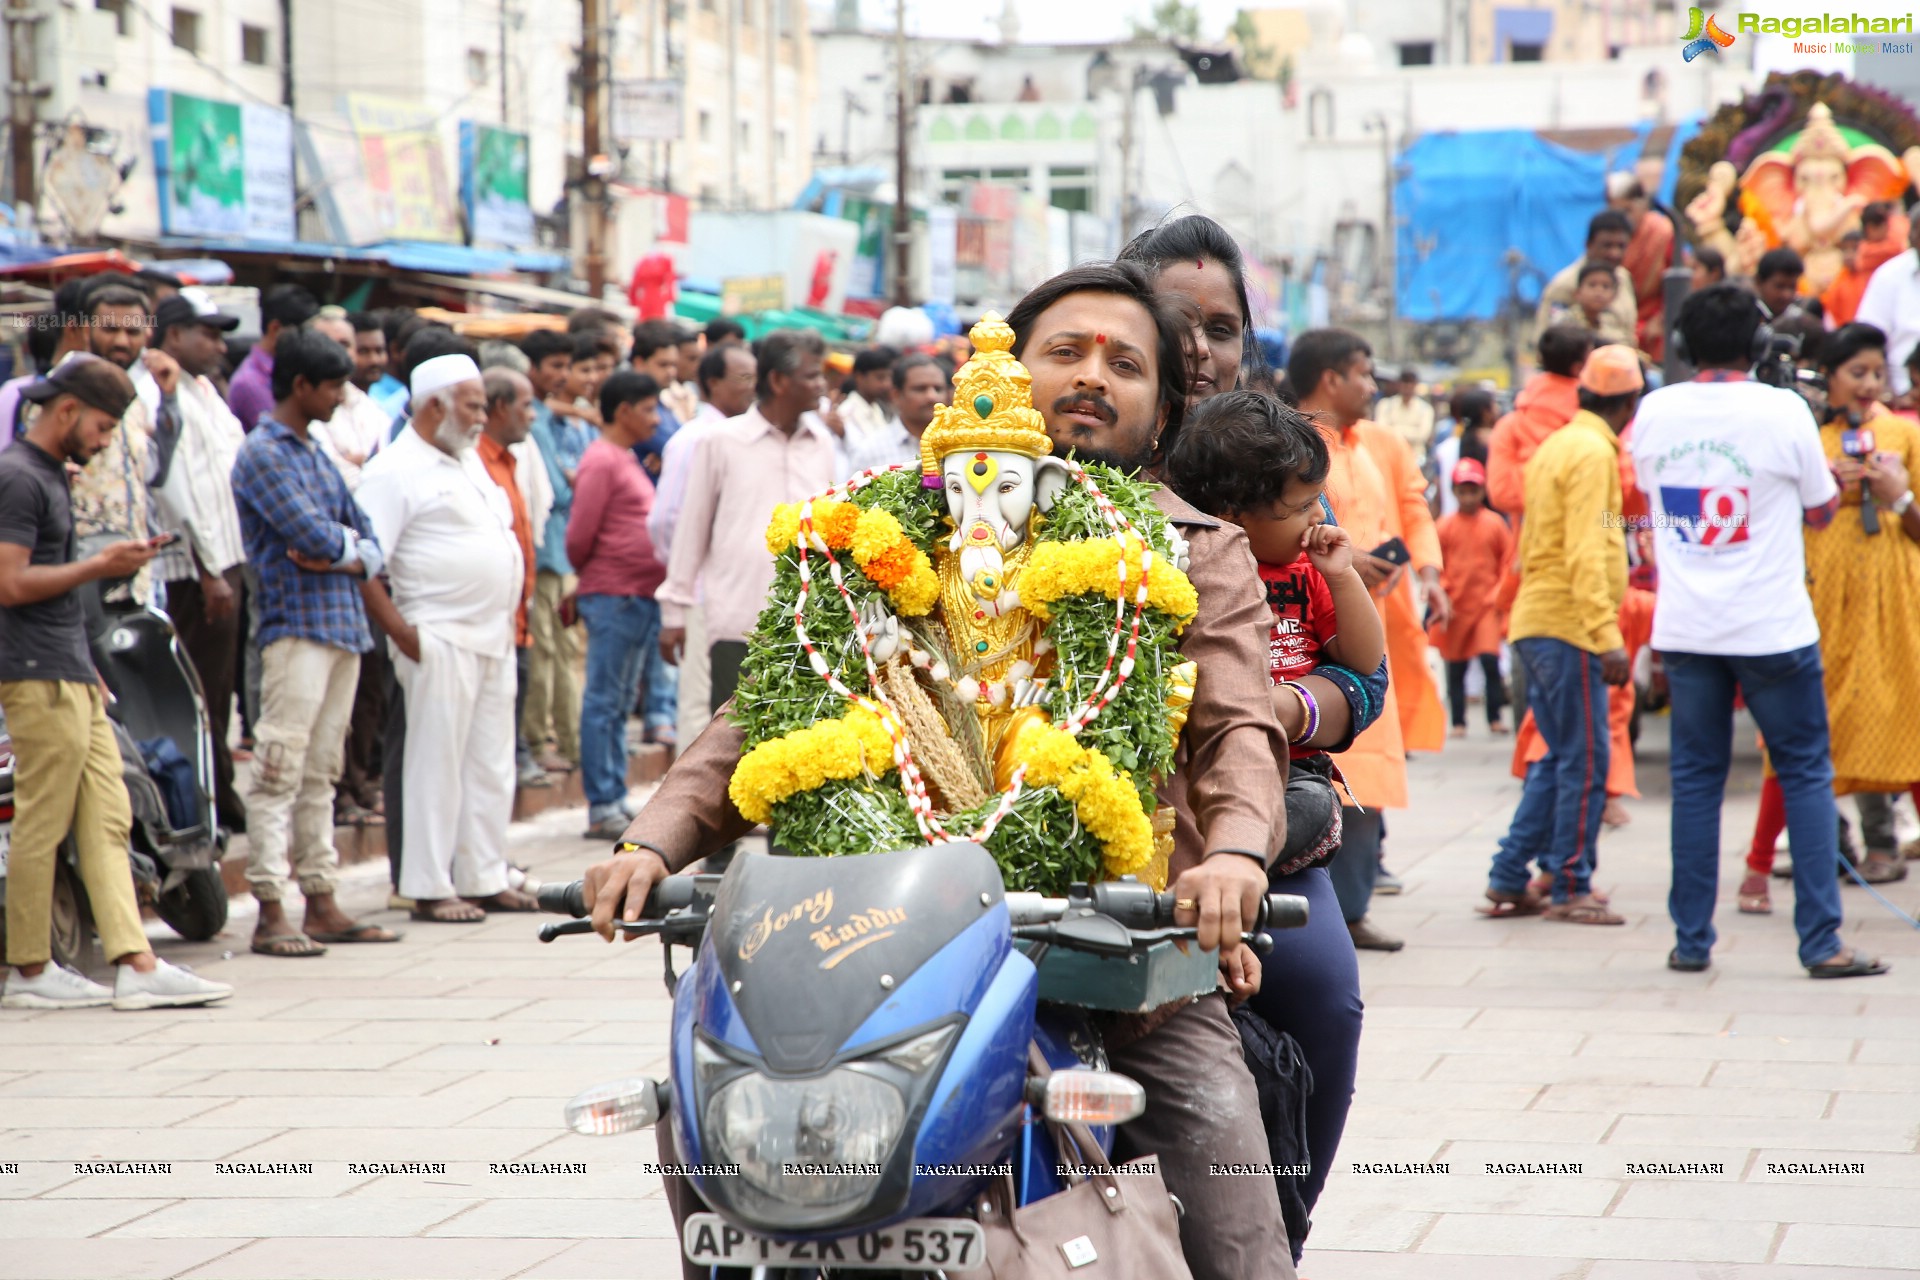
(830, 750)
(916, 597)
(784, 528)
(877, 533)
(1060, 569)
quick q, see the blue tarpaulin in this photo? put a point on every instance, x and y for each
(1464, 201)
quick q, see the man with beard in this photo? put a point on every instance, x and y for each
(195, 499)
(110, 495)
(457, 577)
(307, 542)
(1108, 362)
(359, 426)
(68, 769)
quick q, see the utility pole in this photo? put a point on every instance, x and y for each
(503, 65)
(25, 91)
(1132, 91)
(902, 216)
(592, 188)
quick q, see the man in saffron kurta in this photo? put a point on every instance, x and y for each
(1649, 253)
(1377, 493)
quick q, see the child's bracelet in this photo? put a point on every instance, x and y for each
(1309, 708)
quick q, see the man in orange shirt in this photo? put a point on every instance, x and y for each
(1547, 403)
(1378, 494)
(1649, 254)
(509, 421)
(1842, 299)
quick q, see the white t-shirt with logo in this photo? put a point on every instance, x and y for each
(1729, 468)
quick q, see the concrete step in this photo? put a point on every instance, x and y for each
(647, 764)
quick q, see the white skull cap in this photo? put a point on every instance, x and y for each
(440, 373)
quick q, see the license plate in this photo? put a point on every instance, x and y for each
(950, 1244)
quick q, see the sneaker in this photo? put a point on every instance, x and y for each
(1384, 881)
(55, 988)
(169, 986)
(533, 777)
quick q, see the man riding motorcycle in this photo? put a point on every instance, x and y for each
(1108, 367)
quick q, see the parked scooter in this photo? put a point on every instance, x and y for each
(176, 841)
(863, 1046)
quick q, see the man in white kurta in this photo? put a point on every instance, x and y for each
(456, 574)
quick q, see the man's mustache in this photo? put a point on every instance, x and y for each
(1098, 404)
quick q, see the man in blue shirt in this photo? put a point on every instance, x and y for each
(311, 545)
(553, 698)
(656, 353)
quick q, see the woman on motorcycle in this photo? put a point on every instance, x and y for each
(1315, 992)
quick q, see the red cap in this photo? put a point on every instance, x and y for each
(1469, 471)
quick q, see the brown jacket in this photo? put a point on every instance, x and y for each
(1229, 776)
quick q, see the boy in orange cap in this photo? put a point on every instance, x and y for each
(1565, 631)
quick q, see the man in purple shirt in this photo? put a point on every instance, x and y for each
(250, 393)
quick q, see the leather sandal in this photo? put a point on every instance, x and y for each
(1881, 867)
(1754, 899)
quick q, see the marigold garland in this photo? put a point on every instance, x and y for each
(1087, 568)
(1106, 801)
(830, 750)
(1077, 806)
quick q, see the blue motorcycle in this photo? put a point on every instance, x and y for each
(861, 1046)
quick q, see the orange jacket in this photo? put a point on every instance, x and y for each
(1547, 403)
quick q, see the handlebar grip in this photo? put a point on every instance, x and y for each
(562, 899)
(1285, 911)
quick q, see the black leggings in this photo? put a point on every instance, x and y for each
(1457, 689)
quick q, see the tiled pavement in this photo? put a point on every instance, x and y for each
(1487, 1042)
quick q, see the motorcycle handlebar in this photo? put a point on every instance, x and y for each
(1138, 906)
(671, 894)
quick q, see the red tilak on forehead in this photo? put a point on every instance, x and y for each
(1100, 338)
(1199, 264)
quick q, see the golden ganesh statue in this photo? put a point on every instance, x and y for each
(1805, 192)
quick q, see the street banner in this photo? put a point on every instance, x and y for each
(647, 111)
(405, 169)
(223, 169)
(493, 185)
(750, 295)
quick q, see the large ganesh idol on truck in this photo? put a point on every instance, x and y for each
(1795, 164)
(981, 649)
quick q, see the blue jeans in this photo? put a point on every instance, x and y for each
(621, 632)
(1315, 998)
(1789, 703)
(662, 707)
(1558, 821)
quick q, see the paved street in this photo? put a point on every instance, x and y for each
(1487, 1042)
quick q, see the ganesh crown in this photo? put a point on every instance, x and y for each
(992, 408)
(1821, 139)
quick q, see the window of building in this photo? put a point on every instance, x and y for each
(1416, 53)
(186, 30)
(476, 66)
(253, 45)
(1070, 187)
(706, 126)
(121, 17)
(1520, 51)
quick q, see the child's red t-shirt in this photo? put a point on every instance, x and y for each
(1303, 622)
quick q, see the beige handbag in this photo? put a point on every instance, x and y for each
(1111, 1223)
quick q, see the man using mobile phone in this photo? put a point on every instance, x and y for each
(1378, 493)
(67, 764)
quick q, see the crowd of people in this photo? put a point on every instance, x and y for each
(380, 545)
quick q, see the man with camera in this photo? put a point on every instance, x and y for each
(1734, 469)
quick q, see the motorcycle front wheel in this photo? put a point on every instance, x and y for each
(71, 934)
(196, 908)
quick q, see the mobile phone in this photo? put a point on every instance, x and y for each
(163, 540)
(1394, 551)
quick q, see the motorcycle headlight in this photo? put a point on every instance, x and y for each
(817, 1144)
